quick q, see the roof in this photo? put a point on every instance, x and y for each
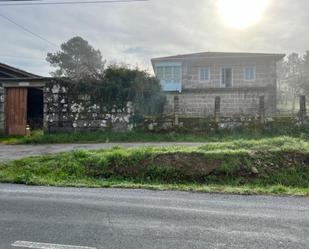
(208, 55)
(9, 72)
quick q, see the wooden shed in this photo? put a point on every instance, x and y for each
(21, 100)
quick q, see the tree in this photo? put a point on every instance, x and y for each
(77, 60)
(144, 90)
(305, 70)
(292, 77)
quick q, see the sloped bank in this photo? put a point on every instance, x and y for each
(258, 163)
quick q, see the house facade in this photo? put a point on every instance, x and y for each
(239, 79)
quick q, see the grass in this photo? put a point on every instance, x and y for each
(226, 167)
(104, 137)
(38, 137)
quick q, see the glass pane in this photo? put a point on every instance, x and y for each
(204, 74)
(168, 74)
(176, 73)
(159, 73)
(226, 77)
(249, 73)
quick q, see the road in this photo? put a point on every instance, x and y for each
(12, 152)
(72, 218)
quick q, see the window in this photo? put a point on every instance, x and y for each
(249, 73)
(226, 77)
(170, 75)
(204, 74)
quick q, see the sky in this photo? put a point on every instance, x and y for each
(133, 33)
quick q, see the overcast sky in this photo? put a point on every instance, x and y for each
(133, 33)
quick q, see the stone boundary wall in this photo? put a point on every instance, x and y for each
(198, 125)
(233, 102)
(66, 111)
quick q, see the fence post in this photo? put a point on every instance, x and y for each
(217, 108)
(302, 107)
(176, 109)
(262, 108)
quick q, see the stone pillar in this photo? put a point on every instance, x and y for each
(217, 108)
(302, 107)
(176, 109)
(262, 108)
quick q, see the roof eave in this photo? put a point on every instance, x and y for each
(194, 56)
(25, 79)
(19, 71)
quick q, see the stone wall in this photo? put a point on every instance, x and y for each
(66, 111)
(233, 102)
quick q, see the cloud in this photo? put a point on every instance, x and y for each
(134, 33)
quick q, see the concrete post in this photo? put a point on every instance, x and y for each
(302, 107)
(262, 108)
(217, 108)
(176, 110)
(2, 111)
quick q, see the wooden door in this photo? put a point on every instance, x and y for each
(16, 111)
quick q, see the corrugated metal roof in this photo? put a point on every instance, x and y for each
(9, 72)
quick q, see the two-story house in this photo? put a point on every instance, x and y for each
(239, 79)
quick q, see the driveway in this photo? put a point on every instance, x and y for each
(12, 152)
(72, 218)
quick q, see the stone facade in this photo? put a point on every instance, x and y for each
(65, 111)
(265, 72)
(197, 97)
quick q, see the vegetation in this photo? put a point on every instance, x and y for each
(86, 74)
(77, 60)
(281, 127)
(118, 86)
(270, 166)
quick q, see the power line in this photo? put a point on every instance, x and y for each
(28, 30)
(73, 2)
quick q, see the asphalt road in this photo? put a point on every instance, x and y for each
(71, 218)
(12, 152)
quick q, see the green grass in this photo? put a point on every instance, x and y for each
(105, 137)
(282, 164)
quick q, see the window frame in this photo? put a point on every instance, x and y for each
(199, 74)
(175, 80)
(254, 73)
(232, 78)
